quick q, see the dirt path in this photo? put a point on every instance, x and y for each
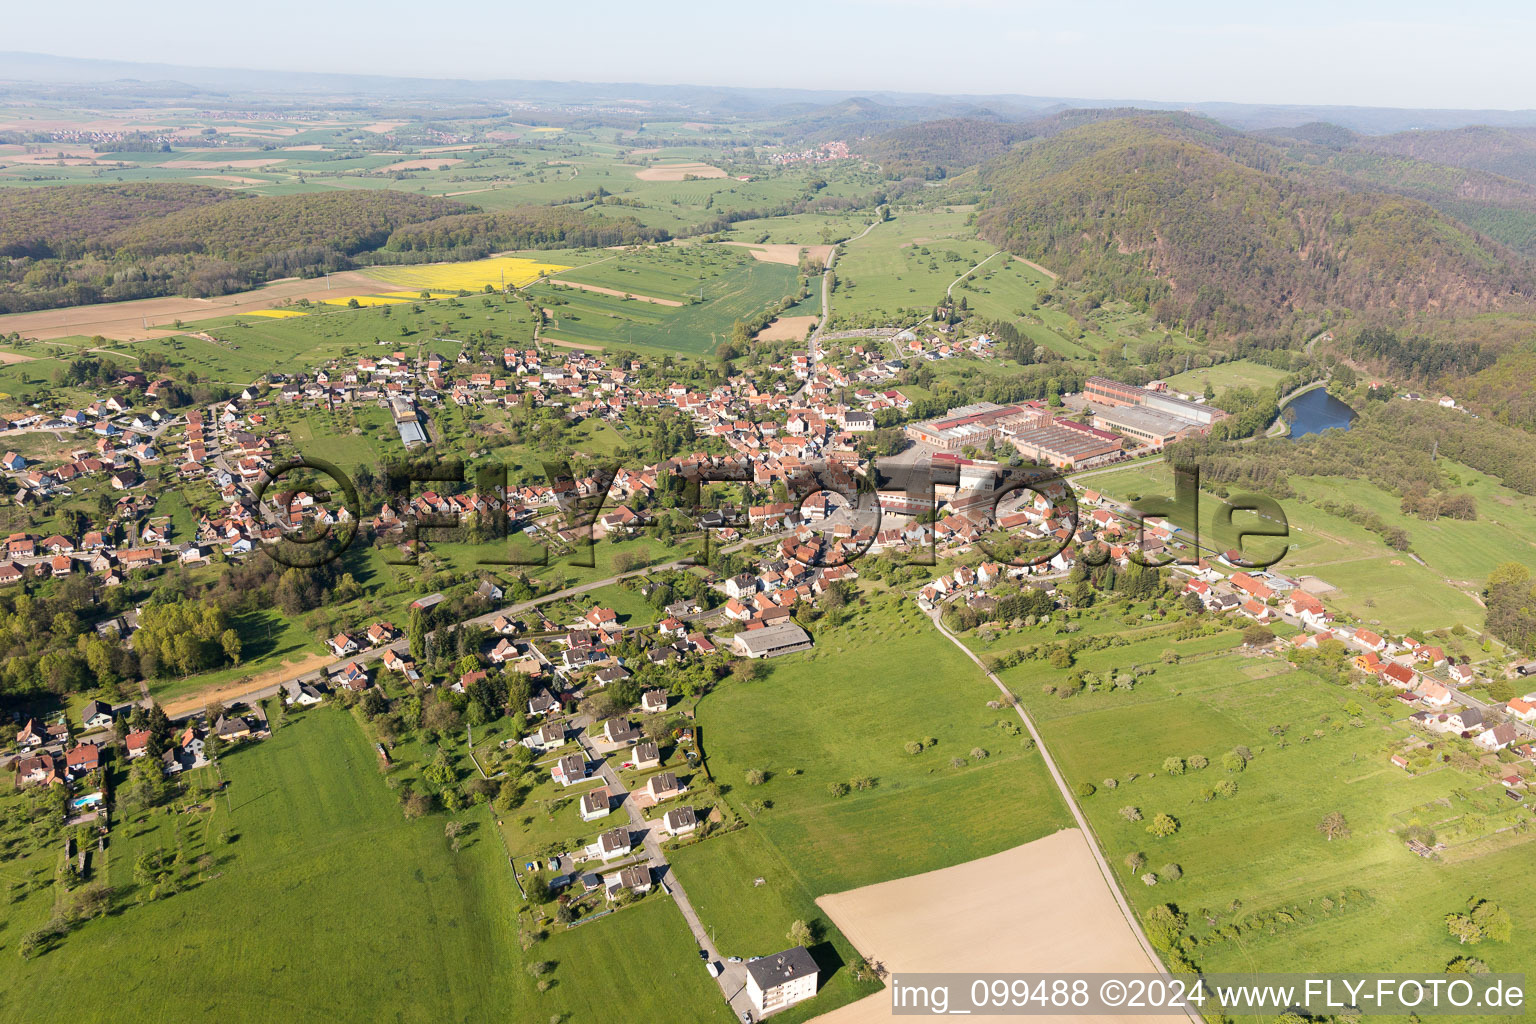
(563, 283)
(1106, 873)
(226, 692)
(1031, 263)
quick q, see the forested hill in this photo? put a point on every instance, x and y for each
(939, 149)
(1510, 152)
(66, 221)
(946, 147)
(1229, 232)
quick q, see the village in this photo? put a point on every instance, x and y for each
(602, 703)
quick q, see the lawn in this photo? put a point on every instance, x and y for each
(845, 712)
(1239, 373)
(327, 904)
(750, 919)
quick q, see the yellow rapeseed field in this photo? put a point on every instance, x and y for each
(472, 276)
(365, 300)
(277, 314)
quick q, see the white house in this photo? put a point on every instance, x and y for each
(1497, 738)
(570, 769)
(780, 980)
(546, 737)
(595, 804)
(679, 821)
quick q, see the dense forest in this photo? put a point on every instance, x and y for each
(78, 244)
(1204, 225)
(527, 227)
(939, 149)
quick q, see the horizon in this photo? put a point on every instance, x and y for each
(1314, 55)
(833, 95)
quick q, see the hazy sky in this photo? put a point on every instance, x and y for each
(1407, 54)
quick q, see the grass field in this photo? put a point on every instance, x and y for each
(1373, 581)
(324, 871)
(751, 919)
(1248, 858)
(846, 711)
(1237, 374)
(246, 346)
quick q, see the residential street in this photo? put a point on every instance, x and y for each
(733, 979)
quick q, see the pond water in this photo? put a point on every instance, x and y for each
(1315, 412)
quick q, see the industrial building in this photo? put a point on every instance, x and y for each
(973, 425)
(1150, 417)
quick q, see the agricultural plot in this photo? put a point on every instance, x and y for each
(244, 347)
(734, 286)
(474, 275)
(842, 717)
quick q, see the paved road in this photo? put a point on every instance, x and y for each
(401, 646)
(1071, 801)
(826, 307)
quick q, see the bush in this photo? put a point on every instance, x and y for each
(1086, 789)
(837, 788)
(1174, 765)
(1171, 872)
(1163, 826)
(756, 776)
(1130, 813)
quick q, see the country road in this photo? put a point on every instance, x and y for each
(1071, 801)
(188, 707)
(826, 307)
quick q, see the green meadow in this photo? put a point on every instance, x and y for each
(1255, 860)
(321, 870)
(1373, 582)
(845, 712)
(1240, 373)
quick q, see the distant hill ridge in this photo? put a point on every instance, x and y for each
(1224, 230)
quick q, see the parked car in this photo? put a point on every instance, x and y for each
(714, 968)
(703, 955)
(734, 960)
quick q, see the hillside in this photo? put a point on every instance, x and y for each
(1510, 152)
(938, 149)
(1228, 232)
